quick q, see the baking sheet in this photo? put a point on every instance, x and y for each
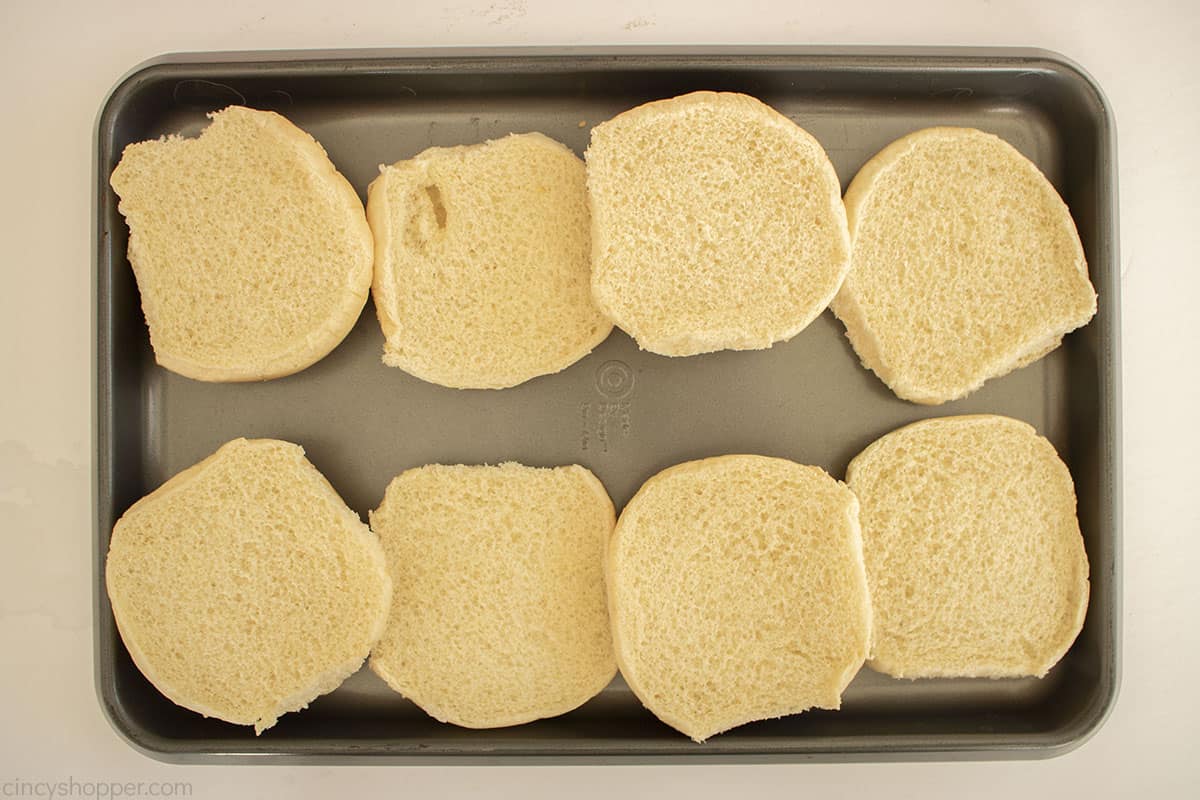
(623, 413)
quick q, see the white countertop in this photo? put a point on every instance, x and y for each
(60, 59)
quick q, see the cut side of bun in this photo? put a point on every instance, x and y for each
(244, 587)
(737, 592)
(717, 224)
(499, 615)
(974, 554)
(482, 263)
(251, 251)
(965, 264)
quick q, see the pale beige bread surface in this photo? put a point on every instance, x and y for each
(244, 587)
(499, 615)
(965, 264)
(482, 262)
(717, 223)
(251, 251)
(737, 592)
(974, 556)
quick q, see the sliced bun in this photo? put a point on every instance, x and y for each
(499, 614)
(252, 253)
(483, 261)
(965, 264)
(717, 223)
(737, 592)
(244, 587)
(974, 556)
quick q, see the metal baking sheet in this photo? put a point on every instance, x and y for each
(623, 413)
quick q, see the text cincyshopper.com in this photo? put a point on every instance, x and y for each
(52, 788)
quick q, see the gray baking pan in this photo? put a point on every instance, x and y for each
(623, 413)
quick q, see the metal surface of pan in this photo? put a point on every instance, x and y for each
(623, 413)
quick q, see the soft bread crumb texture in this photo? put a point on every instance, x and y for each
(738, 593)
(974, 555)
(499, 616)
(483, 262)
(965, 264)
(244, 587)
(717, 223)
(251, 252)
